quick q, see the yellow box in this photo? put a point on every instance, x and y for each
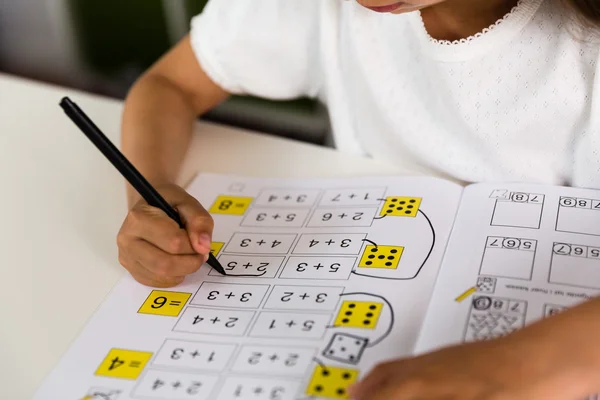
(358, 314)
(165, 303)
(230, 205)
(215, 248)
(401, 206)
(381, 257)
(331, 382)
(125, 364)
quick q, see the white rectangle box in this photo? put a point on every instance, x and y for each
(312, 298)
(575, 271)
(330, 243)
(328, 268)
(287, 197)
(213, 321)
(194, 355)
(275, 218)
(342, 217)
(175, 386)
(508, 257)
(353, 197)
(518, 215)
(260, 243)
(290, 325)
(249, 266)
(238, 295)
(578, 220)
(242, 388)
(274, 360)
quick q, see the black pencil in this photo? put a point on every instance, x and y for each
(121, 163)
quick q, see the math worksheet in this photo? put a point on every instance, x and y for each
(517, 254)
(327, 278)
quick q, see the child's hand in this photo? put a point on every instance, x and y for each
(155, 250)
(501, 369)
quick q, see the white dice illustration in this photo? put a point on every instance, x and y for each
(345, 348)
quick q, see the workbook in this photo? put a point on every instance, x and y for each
(326, 278)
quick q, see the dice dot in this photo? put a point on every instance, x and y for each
(342, 349)
(393, 251)
(413, 201)
(407, 212)
(369, 262)
(351, 357)
(372, 307)
(374, 250)
(341, 392)
(381, 257)
(389, 211)
(358, 343)
(319, 388)
(371, 256)
(346, 375)
(399, 208)
(390, 257)
(351, 305)
(366, 322)
(325, 372)
(402, 202)
(339, 337)
(394, 200)
(331, 351)
(345, 320)
(348, 313)
(369, 315)
(410, 206)
(388, 264)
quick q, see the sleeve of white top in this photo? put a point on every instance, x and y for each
(264, 48)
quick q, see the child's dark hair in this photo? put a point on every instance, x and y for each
(588, 11)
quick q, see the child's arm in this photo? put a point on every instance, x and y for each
(555, 358)
(160, 111)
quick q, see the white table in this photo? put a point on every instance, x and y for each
(62, 203)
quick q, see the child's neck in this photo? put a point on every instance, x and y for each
(459, 19)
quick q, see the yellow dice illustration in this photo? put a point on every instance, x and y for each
(215, 248)
(381, 257)
(401, 206)
(358, 314)
(230, 205)
(165, 303)
(125, 364)
(331, 382)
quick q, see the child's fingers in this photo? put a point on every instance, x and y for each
(199, 224)
(379, 377)
(146, 277)
(154, 226)
(162, 264)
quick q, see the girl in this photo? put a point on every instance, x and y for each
(479, 90)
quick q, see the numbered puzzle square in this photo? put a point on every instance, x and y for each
(381, 257)
(359, 314)
(492, 317)
(331, 382)
(401, 206)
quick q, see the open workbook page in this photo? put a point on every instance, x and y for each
(325, 278)
(518, 253)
